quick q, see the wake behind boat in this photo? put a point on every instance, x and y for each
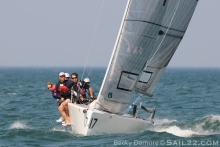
(150, 33)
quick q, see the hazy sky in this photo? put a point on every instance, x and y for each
(60, 33)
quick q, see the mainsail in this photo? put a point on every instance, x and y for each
(150, 33)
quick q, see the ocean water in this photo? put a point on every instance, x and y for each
(187, 101)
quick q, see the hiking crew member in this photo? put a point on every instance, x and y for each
(63, 88)
(88, 91)
(67, 76)
(52, 88)
(80, 87)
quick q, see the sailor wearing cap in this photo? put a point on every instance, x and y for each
(87, 93)
(67, 76)
(87, 80)
(63, 91)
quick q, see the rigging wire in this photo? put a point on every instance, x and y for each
(105, 37)
(92, 39)
(162, 39)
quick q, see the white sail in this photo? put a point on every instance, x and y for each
(180, 12)
(150, 32)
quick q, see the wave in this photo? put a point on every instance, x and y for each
(19, 125)
(13, 93)
(59, 129)
(163, 121)
(177, 131)
(207, 125)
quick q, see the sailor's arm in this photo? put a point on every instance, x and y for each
(57, 91)
(91, 92)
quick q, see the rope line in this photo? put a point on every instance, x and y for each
(92, 39)
(134, 101)
(105, 37)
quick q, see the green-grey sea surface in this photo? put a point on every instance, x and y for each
(187, 102)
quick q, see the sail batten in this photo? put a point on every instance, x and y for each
(150, 33)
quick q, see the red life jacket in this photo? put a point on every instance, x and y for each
(53, 89)
(63, 89)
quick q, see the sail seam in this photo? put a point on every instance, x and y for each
(151, 37)
(156, 25)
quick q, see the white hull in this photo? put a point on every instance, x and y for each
(93, 122)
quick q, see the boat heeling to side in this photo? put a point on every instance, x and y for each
(90, 121)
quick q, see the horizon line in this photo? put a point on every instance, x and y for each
(99, 66)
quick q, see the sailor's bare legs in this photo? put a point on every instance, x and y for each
(63, 108)
(65, 104)
(62, 112)
(66, 110)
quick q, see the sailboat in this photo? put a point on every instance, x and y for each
(150, 33)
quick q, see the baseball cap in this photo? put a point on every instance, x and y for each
(86, 80)
(67, 75)
(62, 74)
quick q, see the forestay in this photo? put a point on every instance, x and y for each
(150, 32)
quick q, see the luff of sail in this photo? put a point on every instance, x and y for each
(137, 48)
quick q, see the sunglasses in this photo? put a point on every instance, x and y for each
(74, 77)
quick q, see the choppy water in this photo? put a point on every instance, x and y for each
(187, 101)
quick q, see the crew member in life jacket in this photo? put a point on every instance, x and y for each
(67, 76)
(52, 88)
(89, 90)
(63, 89)
(80, 87)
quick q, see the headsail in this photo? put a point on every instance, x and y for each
(151, 31)
(169, 35)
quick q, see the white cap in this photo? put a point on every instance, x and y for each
(62, 74)
(86, 80)
(67, 75)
